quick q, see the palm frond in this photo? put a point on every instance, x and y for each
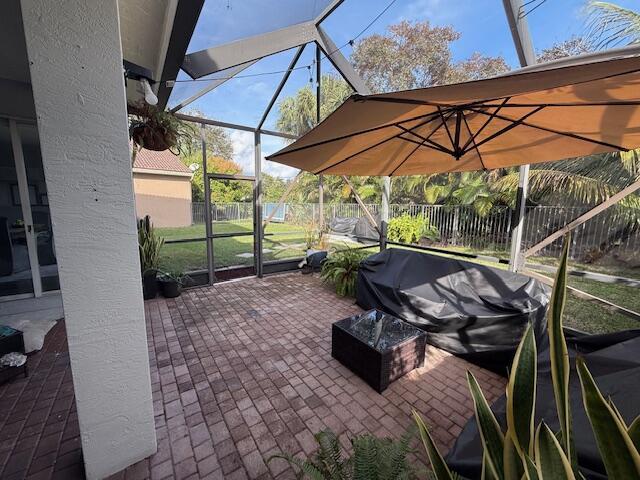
(610, 25)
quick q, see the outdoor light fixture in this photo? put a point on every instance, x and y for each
(149, 96)
(144, 76)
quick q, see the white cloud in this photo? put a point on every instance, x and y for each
(436, 11)
(244, 154)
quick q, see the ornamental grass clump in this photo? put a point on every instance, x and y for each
(149, 245)
(527, 451)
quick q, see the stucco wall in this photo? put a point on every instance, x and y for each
(78, 88)
(166, 199)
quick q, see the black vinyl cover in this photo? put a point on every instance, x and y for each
(359, 227)
(471, 310)
(343, 225)
(614, 361)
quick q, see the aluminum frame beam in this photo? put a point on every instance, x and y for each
(527, 56)
(340, 63)
(215, 83)
(281, 85)
(583, 218)
(221, 57)
(233, 126)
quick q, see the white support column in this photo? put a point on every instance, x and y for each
(527, 56)
(76, 71)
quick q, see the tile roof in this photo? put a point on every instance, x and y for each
(165, 161)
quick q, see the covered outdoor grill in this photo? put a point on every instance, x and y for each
(471, 310)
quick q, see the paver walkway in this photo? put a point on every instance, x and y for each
(243, 370)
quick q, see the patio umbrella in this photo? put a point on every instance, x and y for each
(563, 109)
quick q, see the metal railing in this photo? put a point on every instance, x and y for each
(462, 226)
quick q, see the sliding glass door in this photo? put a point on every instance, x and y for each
(27, 250)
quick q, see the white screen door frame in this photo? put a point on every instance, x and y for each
(25, 204)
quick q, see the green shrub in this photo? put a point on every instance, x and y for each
(408, 229)
(341, 270)
(526, 452)
(372, 458)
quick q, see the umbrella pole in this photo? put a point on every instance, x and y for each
(527, 56)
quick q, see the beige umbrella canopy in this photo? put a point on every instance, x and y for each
(547, 112)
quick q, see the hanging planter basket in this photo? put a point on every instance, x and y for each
(156, 129)
(150, 138)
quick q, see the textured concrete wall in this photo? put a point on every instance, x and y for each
(76, 71)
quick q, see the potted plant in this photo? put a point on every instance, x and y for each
(149, 245)
(341, 270)
(155, 129)
(172, 283)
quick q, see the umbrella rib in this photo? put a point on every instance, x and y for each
(355, 134)
(446, 127)
(551, 130)
(377, 144)
(513, 124)
(474, 143)
(487, 122)
(614, 103)
(437, 146)
(426, 139)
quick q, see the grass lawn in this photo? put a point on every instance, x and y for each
(287, 241)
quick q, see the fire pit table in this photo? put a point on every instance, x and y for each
(378, 347)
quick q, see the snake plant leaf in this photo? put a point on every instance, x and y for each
(619, 454)
(521, 394)
(438, 465)
(531, 472)
(551, 461)
(486, 473)
(634, 432)
(560, 355)
(617, 412)
(490, 433)
(513, 469)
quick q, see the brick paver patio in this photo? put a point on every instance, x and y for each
(240, 371)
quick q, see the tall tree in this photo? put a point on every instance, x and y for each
(567, 48)
(417, 54)
(297, 114)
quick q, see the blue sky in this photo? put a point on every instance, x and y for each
(482, 24)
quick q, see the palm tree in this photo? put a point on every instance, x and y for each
(297, 113)
(466, 188)
(585, 181)
(610, 25)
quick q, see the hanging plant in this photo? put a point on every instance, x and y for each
(155, 129)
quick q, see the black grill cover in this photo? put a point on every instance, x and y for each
(474, 311)
(614, 362)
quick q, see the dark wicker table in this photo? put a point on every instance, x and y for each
(378, 347)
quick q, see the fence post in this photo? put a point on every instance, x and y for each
(454, 227)
(383, 235)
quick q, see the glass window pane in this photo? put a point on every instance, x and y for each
(225, 21)
(40, 207)
(15, 270)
